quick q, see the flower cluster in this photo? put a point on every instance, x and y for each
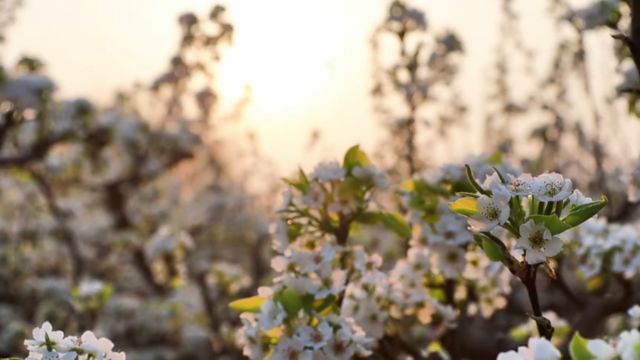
(327, 296)
(607, 247)
(49, 344)
(625, 346)
(330, 296)
(533, 209)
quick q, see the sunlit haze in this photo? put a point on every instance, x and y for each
(307, 62)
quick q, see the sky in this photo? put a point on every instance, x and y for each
(307, 61)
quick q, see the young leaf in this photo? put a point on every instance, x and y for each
(354, 157)
(249, 304)
(578, 348)
(391, 220)
(584, 212)
(495, 250)
(472, 180)
(301, 183)
(396, 223)
(465, 206)
(291, 301)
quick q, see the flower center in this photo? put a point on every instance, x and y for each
(316, 336)
(551, 189)
(491, 212)
(537, 239)
(452, 256)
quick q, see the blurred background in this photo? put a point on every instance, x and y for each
(134, 133)
(308, 65)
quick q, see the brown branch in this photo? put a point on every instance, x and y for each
(633, 40)
(37, 152)
(64, 232)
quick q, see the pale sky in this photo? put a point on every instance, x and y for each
(308, 61)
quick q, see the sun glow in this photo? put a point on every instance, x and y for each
(285, 61)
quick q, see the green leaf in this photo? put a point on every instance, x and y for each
(578, 348)
(391, 220)
(472, 180)
(551, 222)
(495, 158)
(465, 206)
(301, 183)
(584, 212)
(494, 248)
(250, 304)
(396, 223)
(291, 301)
(355, 157)
(517, 212)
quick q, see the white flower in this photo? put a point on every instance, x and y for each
(492, 211)
(331, 285)
(552, 187)
(521, 185)
(537, 349)
(634, 315)
(372, 174)
(291, 348)
(601, 349)
(89, 288)
(40, 335)
(328, 171)
(314, 337)
(271, 314)
(509, 355)
(592, 265)
(629, 345)
(450, 260)
(315, 196)
(575, 199)
(578, 198)
(339, 348)
(367, 313)
(450, 229)
(626, 263)
(99, 347)
(537, 242)
(51, 355)
(493, 183)
(311, 261)
(116, 356)
(280, 236)
(249, 337)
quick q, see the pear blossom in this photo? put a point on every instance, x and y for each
(271, 314)
(328, 171)
(315, 196)
(519, 186)
(634, 315)
(495, 185)
(601, 350)
(372, 174)
(492, 211)
(450, 260)
(537, 242)
(536, 349)
(450, 229)
(314, 337)
(629, 345)
(51, 355)
(575, 199)
(291, 348)
(552, 187)
(40, 336)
